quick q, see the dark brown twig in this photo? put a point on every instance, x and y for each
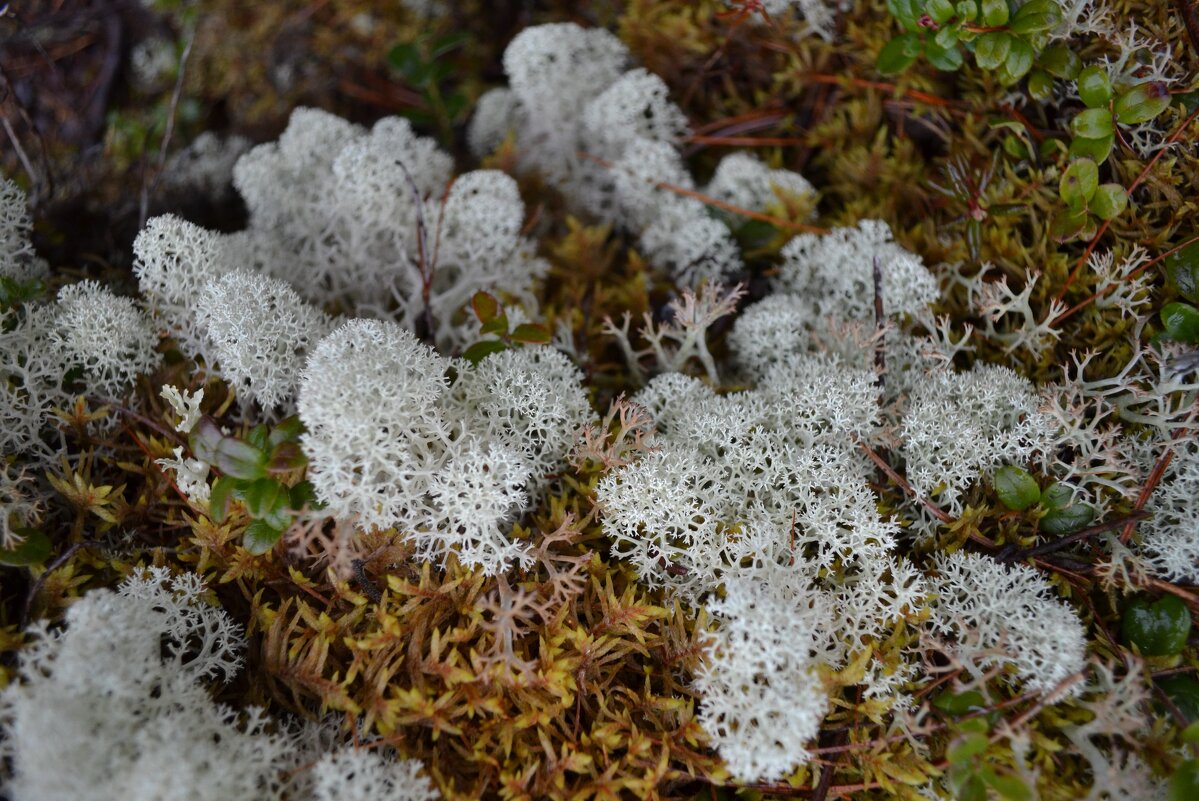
(164, 147)
(1062, 542)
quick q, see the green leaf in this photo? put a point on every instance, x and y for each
(1040, 84)
(1142, 103)
(1191, 733)
(947, 37)
(1008, 787)
(907, 13)
(962, 703)
(1109, 201)
(485, 306)
(304, 494)
(1094, 87)
(239, 459)
(1067, 520)
(939, 10)
(1063, 515)
(967, 10)
(287, 457)
(1095, 149)
(260, 538)
(1183, 692)
(259, 437)
(898, 54)
(33, 549)
(1189, 100)
(1094, 123)
(263, 496)
(753, 234)
(496, 325)
(531, 334)
(407, 60)
(946, 59)
(1036, 16)
(1159, 628)
(972, 789)
(1182, 272)
(15, 293)
(1184, 784)
(991, 49)
(204, 438)
(1057, 496)
(969, 746)
(1079, 182)
(220, 499)
(1016, 488)
(1182, 322)
(1072, 224)
(287, 430)
(1019, 61)
(1060, 61)
(481, 350)
(995, 13)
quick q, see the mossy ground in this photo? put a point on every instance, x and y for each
(604, 708)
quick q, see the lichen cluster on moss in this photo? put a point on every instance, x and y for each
(587, 692)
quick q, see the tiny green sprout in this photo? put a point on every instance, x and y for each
(1158, 628)
(1016, 488)
(1087, 201)
(494, 321)
(255, 469)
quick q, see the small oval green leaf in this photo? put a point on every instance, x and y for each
(531, 334)
(1094, 123)
(1095, 149)
(939, 10)
(485, 306)
(1158, 628)
(947, 59)
(1018, 62)
(1182, 272)
(1182, 322)
(260, 538)
(1060, 61)
(991, 49)
(1094, 87)
(898, 54)
(1142, 103)
(1016, 488)
(1109, 201)
(1079, 182)
(995, 12)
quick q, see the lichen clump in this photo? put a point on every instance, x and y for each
(757, 399)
